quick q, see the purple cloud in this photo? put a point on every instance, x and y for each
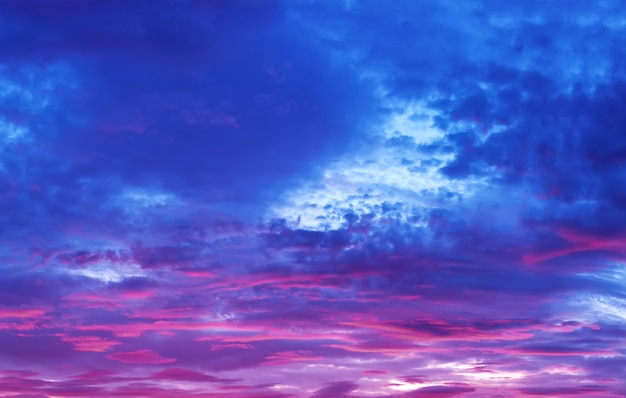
(312, 199)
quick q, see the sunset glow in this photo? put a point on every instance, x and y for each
(312, 198)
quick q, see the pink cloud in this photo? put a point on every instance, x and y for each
(287, 357)
(21, 312)
(95, 374)
(219, 347)
(578, 243)
(185, 375)
(375, 372)
(199, 274)
(140, 357)
(90, 343)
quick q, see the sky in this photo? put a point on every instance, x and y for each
(312, 198)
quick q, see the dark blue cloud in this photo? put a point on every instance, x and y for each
(210, 100)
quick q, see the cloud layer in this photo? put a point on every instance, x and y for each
(312, 199)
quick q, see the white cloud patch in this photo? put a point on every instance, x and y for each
(11, 133)
(393, 178)
(109, 272)
(138, 201)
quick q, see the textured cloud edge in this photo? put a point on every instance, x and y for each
(312, 199)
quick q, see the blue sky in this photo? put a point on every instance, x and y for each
(308, 198)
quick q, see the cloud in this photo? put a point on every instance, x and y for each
(335, 389)
(583, 390)
(442, 391)
(139, 356)
(231, 117)
(312, 199)
(186, 375)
